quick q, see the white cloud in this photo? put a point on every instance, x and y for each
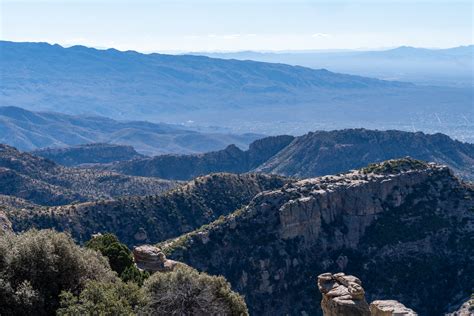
(321, 35)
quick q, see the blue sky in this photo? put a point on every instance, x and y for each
(227, 25)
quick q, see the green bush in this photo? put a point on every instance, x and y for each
(133, 274)
(36, 266)
(120, 257)
(186, 291)
(103, 298)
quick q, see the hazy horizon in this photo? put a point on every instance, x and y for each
(328, 50)
(239, 25)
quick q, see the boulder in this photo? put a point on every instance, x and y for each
(342, 295)
(389, 308)
(152, 259)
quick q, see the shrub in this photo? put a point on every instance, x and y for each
(36, 266)
(103, 298)
(120, 257)
(186, 291)
(133, 274)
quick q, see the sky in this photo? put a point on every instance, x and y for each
(236, 25)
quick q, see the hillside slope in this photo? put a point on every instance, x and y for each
(88, 154)
(153, 218)
(42, 181)
(185, 167)
(27, 130)
(310, 155)
(374, 223)
(452, 66)
(322, 153)
(243, 95)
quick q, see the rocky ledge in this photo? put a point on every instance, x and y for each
(152, 259)
(343, 295)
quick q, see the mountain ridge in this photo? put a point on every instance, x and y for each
(150, 218)
(445, 66)
(42, 181)
(28, 130)
(313, 154)
(240, 95)
(365, 222)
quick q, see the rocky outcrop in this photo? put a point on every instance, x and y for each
(397, 225)
(342, 295)
(152, 259)
(390, 308)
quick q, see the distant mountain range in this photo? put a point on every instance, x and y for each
(314, 154)
(28, 130)
(247, 96)
(452, 67)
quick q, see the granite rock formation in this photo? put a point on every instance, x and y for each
(152, 259)
(390, 308)
(411, 218)
(342, 295)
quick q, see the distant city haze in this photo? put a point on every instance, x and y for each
(211, 25)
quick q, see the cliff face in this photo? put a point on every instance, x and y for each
(399, 225)
(151, 219)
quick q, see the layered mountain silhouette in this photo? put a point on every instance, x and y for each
(88, 154)
(27, 130)
(185, 167)
(42, 181)
(314, 154)
(243, 95)
(451, 66)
